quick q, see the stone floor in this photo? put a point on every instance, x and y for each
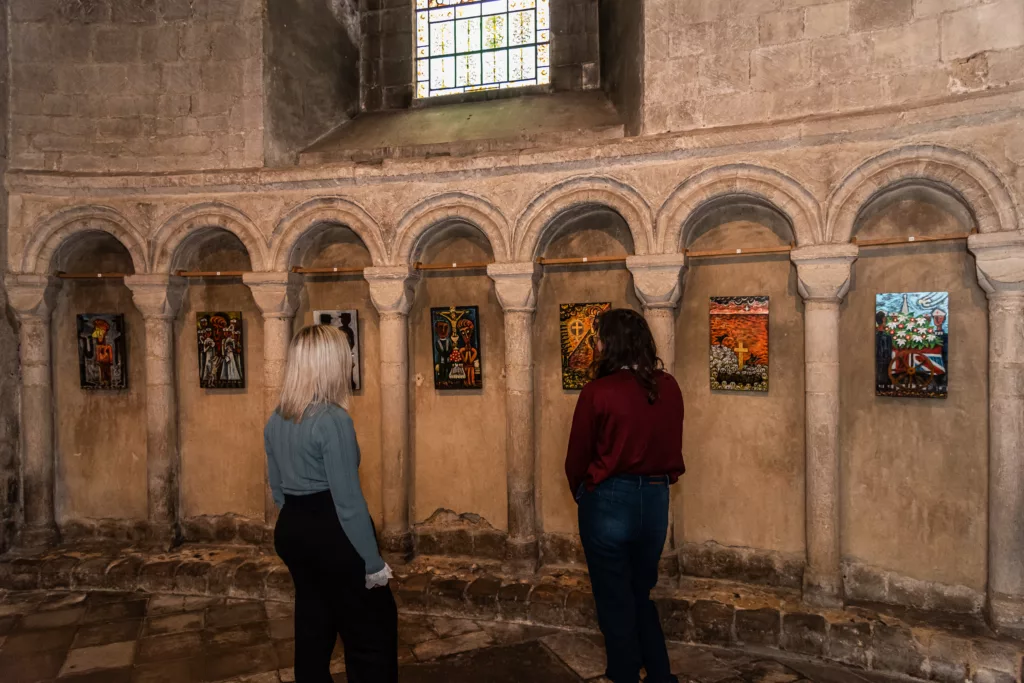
(111, 637)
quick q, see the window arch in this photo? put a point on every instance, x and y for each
(468, 45)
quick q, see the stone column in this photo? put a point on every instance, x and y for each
(158, 298)
(32, 299)
(391, 289)
(823, 274)
(277, 296)
(658, 281)
(516, 287)
(1000, 263)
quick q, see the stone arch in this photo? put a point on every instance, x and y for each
(739, 182)
(535, 222)
(49, 234)
(335, 210)
(419, 222)
(953, 172)
(188, 221)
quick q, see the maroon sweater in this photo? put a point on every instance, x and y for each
(616, 431)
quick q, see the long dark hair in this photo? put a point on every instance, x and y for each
(628, 343)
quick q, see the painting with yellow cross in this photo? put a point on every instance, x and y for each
(577, 328)
(739, 343)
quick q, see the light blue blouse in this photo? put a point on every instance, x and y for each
(321, 453)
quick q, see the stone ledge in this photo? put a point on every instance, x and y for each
(951, 649)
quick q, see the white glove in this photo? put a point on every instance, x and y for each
(379, 578)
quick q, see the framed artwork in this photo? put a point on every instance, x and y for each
(221, 351)
(348, 322)
(739, 343)
(102, 352)
(911, 344)
(578, 340)
(456, 347)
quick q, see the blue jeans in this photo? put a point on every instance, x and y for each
(623, 523)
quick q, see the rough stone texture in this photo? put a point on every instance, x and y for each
(311, 75)
(132, 86)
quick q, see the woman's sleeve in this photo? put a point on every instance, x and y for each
(337, 437)
(273, 473)
(581, 442)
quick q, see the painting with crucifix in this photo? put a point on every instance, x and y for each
(739, 343)
(577, 328)
(456, 347)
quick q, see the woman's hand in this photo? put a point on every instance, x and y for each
(380, 578)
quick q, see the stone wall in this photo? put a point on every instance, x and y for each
(710, 63)
(622, 58)
(131, 85)
(10, 485)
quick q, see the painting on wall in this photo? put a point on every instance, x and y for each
(456, 347)
(739, 343)
(221, 352)
(102, 352)
(911, 344)
(578, 341)
(348, 322)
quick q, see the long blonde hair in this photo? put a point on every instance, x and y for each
(319, 371)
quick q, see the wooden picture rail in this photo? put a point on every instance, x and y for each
(580, 261)
(480, 265)
(211, 273)
(91, 276)
(328, 271)
(903, 241)
(721, 253)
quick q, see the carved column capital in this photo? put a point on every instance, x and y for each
(658, 279)
(516, 285)
(276, 294)
(823, 271)
(999, 258)
(158, 296)
(391, 288)
(31, 296)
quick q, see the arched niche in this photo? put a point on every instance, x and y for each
(100, 434)
(914, 470)
(737, 444)
(583, 232)
(458, 436)
(332, 245)
(220, 430)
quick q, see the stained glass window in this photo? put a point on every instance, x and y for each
(467, 45)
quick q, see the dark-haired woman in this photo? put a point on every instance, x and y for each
(625, 450)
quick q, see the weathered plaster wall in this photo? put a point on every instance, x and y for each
(101, 435)
(599, 233)
(221, 430)
(137, 86)
(311, 74)
(744, 452)
(459, 435)
(914, 471)
(709, 63)
(338, 247)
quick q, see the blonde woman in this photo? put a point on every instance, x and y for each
(324, 533)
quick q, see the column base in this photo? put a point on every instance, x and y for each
(1006, 614)
(162, 534)
(521, 556)
(822, 590)
(42, 536)
(396, 546)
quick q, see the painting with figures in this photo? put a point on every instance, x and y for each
(102, 352)
(221, 352)
(578, 341)
(912, 344)
(456, 347)
(739, 343)
(348, 322)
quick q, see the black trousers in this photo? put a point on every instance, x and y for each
(331, 598)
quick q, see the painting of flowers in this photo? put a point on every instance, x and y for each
(912, 344)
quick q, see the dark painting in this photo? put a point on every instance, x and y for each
(578, 340)
(348, 322)
(221, 352)
(456, 335)
(102, 354)
(912, 344)
(739, 343)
